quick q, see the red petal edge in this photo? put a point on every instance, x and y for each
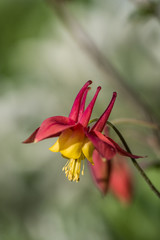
(50, 127)
(76, 105)
(31, 137)
(123, 152)
(87, 113)
(99, 125)
(105, 148)
(100, 172)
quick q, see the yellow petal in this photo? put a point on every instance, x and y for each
(87, 150)
(73, 151)
(61, 141)
(72, 148)
(70, 143)
(55, 147)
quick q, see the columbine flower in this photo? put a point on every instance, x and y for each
(114, 176)
(77, 140)
(121, 181)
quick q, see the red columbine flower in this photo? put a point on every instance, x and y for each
(121, 181)
(114, 176)
(77, 140)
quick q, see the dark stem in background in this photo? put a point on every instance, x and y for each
(89, 46)
(153, 188)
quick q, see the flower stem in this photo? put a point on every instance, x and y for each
(135, 122)
(152, 187)
(93, 120)
(131, 121)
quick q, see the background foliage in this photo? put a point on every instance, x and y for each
(41, 69)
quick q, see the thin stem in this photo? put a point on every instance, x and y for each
(93, 120)
(132, 121)
(148, 181)
(135, 122)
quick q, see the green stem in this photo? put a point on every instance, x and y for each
(93, 120)
(152, 187)
(131, 121)
(135, 122)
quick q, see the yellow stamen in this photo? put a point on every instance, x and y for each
(72, 169)
(73, 145)
(65, 165)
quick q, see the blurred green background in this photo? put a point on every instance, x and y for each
(42, 67)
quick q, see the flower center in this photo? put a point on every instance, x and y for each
(75, 146)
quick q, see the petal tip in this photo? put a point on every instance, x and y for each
(115, 94)
(89, 82)
(27, 141)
